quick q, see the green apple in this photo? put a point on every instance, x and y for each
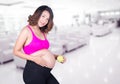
(60, 58)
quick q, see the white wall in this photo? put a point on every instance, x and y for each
(63, 9)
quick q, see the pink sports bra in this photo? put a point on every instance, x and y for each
(36, 43)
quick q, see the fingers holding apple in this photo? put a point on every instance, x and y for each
(61, 59)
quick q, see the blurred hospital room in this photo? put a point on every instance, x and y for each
(86, 32)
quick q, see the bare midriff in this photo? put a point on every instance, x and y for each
(47, 56)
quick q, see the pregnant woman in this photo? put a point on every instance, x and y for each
(32, 45)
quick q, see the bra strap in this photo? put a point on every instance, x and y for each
(44, 35)
(30, 29)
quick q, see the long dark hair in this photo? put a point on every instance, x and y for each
(33, 19)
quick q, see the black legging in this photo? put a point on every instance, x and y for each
(36, 74)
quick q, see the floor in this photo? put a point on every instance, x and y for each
(96, 63)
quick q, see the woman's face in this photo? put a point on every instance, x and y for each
(44, 18)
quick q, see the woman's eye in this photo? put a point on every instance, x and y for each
(47, 19)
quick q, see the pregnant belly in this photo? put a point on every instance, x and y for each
(50, 60)
(47, 56)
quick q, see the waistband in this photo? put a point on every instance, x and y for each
(37, 66)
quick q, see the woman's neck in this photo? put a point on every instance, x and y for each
(36, 29)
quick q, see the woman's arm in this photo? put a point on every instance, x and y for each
(17, 51)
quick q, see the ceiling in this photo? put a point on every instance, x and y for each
(10, 2)
(69, 5)
(62, 8)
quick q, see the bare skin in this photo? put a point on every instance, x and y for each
(46, 56)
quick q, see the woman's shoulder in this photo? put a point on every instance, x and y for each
(24, 30)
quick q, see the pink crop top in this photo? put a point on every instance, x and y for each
(36, 44)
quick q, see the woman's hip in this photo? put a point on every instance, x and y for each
(33, 71)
